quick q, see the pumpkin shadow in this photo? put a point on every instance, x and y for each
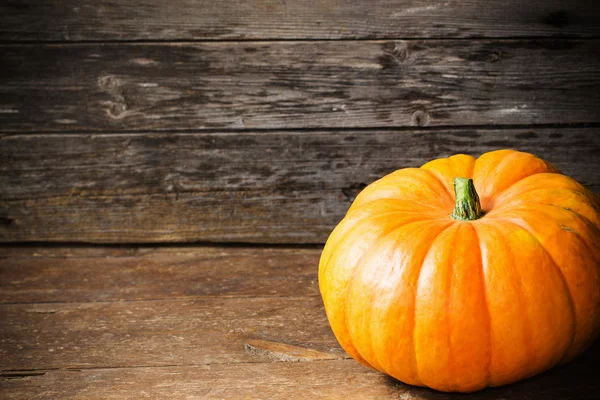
(577, 380)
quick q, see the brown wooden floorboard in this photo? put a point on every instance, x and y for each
(70, 20)
(206, 347)
(100, 274)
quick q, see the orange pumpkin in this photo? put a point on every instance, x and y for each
(437, 286)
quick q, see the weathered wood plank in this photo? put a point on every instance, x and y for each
(155, 273)
(211, 348)
(51, 251)
(285, 352)
(331, 380)
(161, 86)
(269, 187)
(238, 19)
(158, 333)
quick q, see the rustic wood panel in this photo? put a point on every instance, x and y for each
(155, 273)
(331, 380)
(160, 86)
(209, 348)
(238, 19)
(52, 250)
(158, 333)
(273, 187)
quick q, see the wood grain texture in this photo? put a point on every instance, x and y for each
(264, 187)
(30, 274)
(285, 352)
(267, 19)
(331, 380)
(158, 333)
(236, 85)
(209, 348)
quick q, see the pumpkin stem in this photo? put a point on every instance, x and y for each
(468, 207)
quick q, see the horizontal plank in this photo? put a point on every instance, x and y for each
(239, 19)
(237, 85)
(98, 274)
(338, 379)
(50, 251)
(211, 348)
(264, 187)
(157, 333)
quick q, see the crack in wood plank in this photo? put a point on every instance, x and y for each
(285, 352)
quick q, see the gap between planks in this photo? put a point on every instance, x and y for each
(8, 373)
(290, 40)
(325, 130)
(157, 299)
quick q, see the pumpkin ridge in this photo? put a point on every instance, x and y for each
(449, 281)
(359, 220)
(487, 305)
(591, 246)
(498, 158)
(394, 211)
(352, 279)
(359, 263)
(470, 174)
(433, 207)
(368, 216)
(567, 289)
(325, 265)
(442, 227)
(508, 159)
(502, 202)
(500, 193)
(419, 275)
(436, 176)
(580, 216)
(399, 179)
(527, 339)
(583, 218)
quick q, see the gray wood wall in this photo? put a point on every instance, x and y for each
(259, 121)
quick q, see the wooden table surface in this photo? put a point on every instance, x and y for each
(169, 172)
(196, 322)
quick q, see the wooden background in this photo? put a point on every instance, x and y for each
(245, 128)
(258, 121)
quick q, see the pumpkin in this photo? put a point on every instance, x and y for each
(466, 273)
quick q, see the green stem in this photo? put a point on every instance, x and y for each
(468, 207)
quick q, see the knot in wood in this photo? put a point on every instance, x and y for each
(495, 56)
(394, 54)
(109, 83)
(117, 106)
(116, 109)
(420, 118)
